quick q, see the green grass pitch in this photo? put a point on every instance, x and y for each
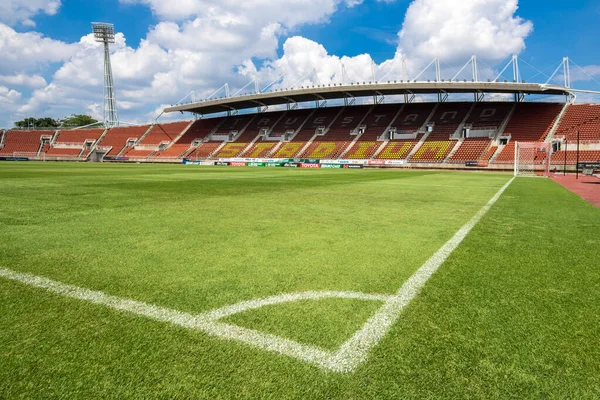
(513, 313)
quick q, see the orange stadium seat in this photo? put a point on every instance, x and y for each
(582, 118)
(531, 122)
(339, 137)
(22, 142)
(164, 133)
(321, 117)
(410, 120)
(471, 150)
(375, 125)
(199, 130)
(79, 136)
(584, 156)
(240, 147)
(116, 138)
(278, 123)
(438, 145)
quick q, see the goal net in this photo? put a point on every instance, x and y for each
(532, 159)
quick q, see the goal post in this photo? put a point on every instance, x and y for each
(532, 159)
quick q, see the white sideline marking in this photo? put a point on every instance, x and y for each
(349, 356)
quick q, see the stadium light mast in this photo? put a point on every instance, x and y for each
(105, 33)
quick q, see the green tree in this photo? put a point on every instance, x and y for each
(76, 120)
(37, 123)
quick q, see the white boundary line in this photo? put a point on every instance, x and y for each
(349, 356)
(355, 351)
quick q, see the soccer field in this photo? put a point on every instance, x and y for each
(182, 281)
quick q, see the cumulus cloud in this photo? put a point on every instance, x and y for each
(200, 44)
(9, 96)
(23, 80)
(21, 11)
(453, 30)
(260, 12)
(305, 62)
(29, 51)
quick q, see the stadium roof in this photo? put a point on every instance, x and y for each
(339, 91)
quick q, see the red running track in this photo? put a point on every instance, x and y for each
(587, 187)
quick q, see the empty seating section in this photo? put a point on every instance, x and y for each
(117, 138)
(487, 156)
(322, 117)
(339, 136)
(259, 149)
(397, 150)
(241, 146)
(164, 133)
(471, 150)
(264, 135)
(446, 120)
(584, 156)
(582, 118)
(232, 124)
(203, 151)
(375, 125)
(290, 149)
(45, 147)
(437, 146)
(78, 136)
(69, 143)
(291, 121)
(160, 133)
(234, 148)
(490, 115)
(199, 130)
(174, 151)
(23, 142)
(133, 153)
(530, 122)
(412, 117)
(227, 127)
(484, 117)
(277, 124)
(265, 123)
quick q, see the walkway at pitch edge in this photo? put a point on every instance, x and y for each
(586, 187)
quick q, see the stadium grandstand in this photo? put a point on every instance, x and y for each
(361, 124)
(438, 135)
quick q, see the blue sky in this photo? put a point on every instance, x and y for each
(203, 43)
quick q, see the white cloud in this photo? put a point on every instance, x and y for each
(452, 30)
(290, 13)
(23, 80)
(29, 51)
(456, 29)
(306, 63)
(15, 11)
(200, 44)
(9, 96)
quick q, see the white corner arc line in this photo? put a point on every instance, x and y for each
(349, 356)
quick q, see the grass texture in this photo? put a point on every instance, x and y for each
(513, 313)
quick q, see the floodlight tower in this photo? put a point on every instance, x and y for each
(105, 33)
